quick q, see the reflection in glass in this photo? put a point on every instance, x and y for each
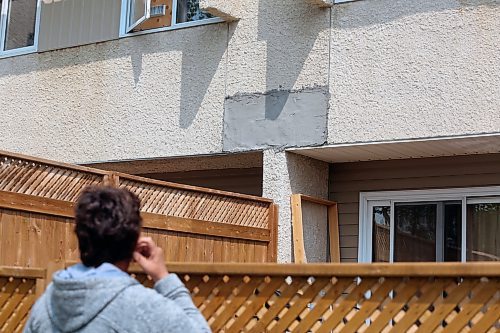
(452, 231)
(21, 24)
(415, 232)
(189, 10)
(483, 232)
(381, 233)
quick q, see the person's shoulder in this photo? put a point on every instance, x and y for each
(139, 298)
(38, 314)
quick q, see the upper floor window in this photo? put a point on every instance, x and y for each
(18, 26)
(141, 15)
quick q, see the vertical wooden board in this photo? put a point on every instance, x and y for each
(172, 246)
(242, 251)
(19, 231)
(218, 249)
(260, 252)
(23, 251)
(251, 252)
(226, 250)
(333, 232)
(235, 249)
(299, 252)
(8, 241)
(72, 251)
(199, 247)
(272, 248)
(208, 250)
(182, 247)
(1, 235)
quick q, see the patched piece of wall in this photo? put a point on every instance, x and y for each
(276, 118)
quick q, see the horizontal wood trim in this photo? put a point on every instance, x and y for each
(193, 188)
(207, 228)
(53, 163)
(34, 204)
(318, 201)
(22, 272)
(345, 269)
(477, 269)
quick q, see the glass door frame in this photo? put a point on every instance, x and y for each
(368, 200)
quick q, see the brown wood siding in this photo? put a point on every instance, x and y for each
(347, 180)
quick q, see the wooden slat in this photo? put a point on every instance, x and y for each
(200, 227)
(333, 233)
(475, 304)
(299, 252)
(272, 246)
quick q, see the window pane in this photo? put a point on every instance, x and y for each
(415, 232)
(189, 10)
(21, 24)
(483, 232)
(381, 233)
(452, 231)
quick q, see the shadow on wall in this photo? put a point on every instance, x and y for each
(367, 13)
(290, 29)
(202, 50)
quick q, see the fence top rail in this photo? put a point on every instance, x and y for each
(22, 272)
(133, 178)
(478, 269)
(54, 163)
(192, 188)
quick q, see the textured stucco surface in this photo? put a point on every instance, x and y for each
(410, 69)
(146, 96)
(285, 174)
(277, 118)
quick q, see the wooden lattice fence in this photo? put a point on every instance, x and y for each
(346, 297)
(312, 297)
(19, 289)
(190, 223)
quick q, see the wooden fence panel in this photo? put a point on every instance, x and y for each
(19, 289)
(311, 297)
(37, 199)
(346, 297)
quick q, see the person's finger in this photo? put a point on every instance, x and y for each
(138, 257)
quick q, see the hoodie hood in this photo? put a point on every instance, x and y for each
(78, 294)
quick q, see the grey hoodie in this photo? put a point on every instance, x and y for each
(114, 302)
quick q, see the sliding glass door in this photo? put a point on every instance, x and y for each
(399, 229)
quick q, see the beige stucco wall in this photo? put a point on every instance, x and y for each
(147, 96)
(413, 69)
(389, 70)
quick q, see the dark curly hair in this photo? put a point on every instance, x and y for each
(108, 224)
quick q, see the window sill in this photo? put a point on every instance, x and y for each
(17, 52)
(175, 27)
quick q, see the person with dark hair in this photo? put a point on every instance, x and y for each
(99, 295)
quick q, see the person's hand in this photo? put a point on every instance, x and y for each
(150, 258)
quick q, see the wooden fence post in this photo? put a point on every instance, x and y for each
(111, 179)
(272, 246)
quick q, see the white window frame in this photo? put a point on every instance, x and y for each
(3, 31)
(467, 195)
(174, 26)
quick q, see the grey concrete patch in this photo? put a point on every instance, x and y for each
(276, 119)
